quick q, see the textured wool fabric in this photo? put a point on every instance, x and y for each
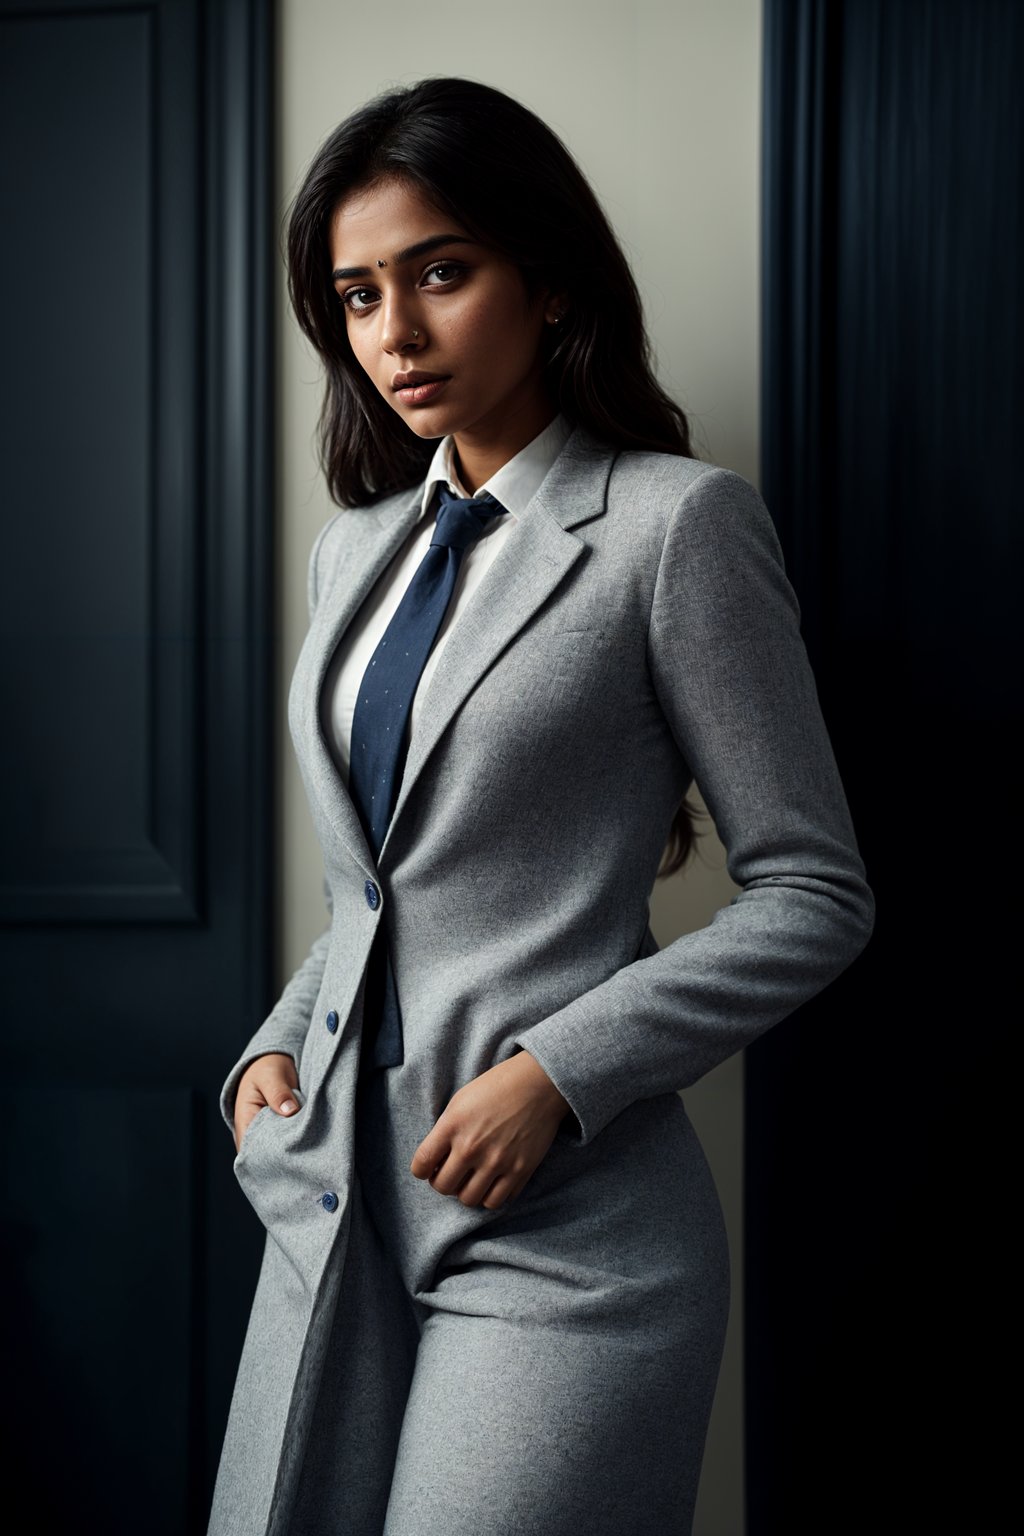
(636, 631)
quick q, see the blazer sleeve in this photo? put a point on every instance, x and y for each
(732, 675)
(285, 1028)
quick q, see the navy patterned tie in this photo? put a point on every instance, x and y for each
(380, 727)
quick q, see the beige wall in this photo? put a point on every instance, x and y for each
(660, 103)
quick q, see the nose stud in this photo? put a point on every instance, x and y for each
(415, 335)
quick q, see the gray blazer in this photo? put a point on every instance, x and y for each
(636, 632)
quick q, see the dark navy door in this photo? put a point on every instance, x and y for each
(135, 804)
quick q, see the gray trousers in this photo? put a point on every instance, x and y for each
(554, 1374)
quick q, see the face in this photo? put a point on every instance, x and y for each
(441, 324)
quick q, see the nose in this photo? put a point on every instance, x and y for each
(401, 330)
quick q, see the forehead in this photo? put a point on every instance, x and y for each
(372, 223)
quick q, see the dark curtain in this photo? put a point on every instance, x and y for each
(879, 1134)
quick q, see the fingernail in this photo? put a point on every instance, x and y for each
(288, 1106)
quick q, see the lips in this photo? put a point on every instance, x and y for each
(417, 388)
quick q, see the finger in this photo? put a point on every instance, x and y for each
(449, 1176)
(282, 1100)
(501, 1192)
(476, 1185)
(429, 1155)
(279, 1088)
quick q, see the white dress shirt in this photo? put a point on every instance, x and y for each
(514, 485)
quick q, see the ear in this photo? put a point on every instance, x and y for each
(555, 308)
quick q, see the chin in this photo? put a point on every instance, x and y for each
(429, 424)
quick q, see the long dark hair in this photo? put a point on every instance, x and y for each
(500, 172)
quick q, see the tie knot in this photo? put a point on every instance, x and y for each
(461, 519)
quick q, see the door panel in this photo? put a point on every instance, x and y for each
(136, 807)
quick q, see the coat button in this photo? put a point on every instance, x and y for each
(372, 895)
(329, 1200)
(332, 1021)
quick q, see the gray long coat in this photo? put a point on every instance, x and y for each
(637, 631)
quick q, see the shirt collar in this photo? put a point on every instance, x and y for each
(516, 482)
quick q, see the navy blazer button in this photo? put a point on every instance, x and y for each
(372, 895)
(329, 1200)
(332, 1021)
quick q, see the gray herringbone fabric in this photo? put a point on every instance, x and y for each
(413, 1366)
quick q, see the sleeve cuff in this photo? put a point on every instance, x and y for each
(560, 1043)
(229, 1091)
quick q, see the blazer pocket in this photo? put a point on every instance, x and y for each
(256, 1131)
(573, 641)
(582, 663)
(252, 1132)
(567, 652)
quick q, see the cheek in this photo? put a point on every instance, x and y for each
(368, 357)
(358, 341)
(497, 332)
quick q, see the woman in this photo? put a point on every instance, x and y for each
(495, 1282)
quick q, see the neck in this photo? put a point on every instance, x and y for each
(482, 450)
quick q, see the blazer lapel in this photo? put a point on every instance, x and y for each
(538, 554)
(373, 538)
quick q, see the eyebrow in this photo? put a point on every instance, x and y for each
(421, 248)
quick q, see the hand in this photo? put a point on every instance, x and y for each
(493, 1134)
(270, 1079)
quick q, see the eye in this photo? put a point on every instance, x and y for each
(358, 299)
(446, 272)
